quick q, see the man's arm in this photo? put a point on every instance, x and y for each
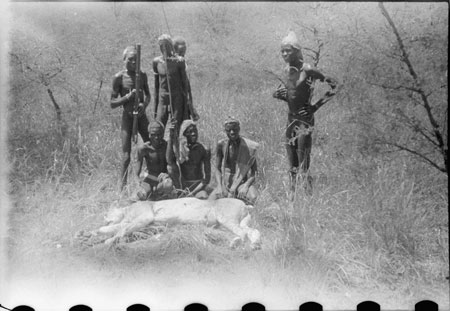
(172, 167)
(190, 103)
(117, 100)
(251, 177)
(156, 76)
(218, 166)
(146, 90)
(316, 74)
(140, 159)
(280, 93)
(206, 161)
(186, 87)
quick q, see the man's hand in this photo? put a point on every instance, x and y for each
(331, 82)
(141, 109)
(172, 125)
(280, 93)
(232, 192)
(162, 177)
(242, 191)
(195, 115)
(130, 95)
(307, 111)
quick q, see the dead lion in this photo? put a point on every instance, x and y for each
(227, 212)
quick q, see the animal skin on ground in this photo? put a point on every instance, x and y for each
(233, 214)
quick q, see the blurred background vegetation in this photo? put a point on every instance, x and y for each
(379, 159)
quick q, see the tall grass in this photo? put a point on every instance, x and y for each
(373, 221)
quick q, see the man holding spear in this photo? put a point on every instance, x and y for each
(171, 83)
(131, 92)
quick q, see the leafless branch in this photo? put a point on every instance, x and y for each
(415, 153)
(418, 88)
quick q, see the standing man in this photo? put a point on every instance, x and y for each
(157, 183)
(298, 93)
(123, 95)
(191, 162)
(179, 46)
(171, 83)
(235, 165)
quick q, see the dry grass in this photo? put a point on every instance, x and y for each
(370, 224)
(375, 221)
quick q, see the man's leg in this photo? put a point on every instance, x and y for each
(304, 157)
(126, 129)
(177, 114)
(292, 155)
(143, 128)
(251, 195)
(162, 114)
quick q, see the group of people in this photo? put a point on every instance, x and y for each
(181, 165)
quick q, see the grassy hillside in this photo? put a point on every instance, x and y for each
(376, 226)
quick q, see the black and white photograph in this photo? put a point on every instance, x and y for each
(224, 153)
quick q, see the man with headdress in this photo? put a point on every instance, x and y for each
(298, 93)
(180, 47)
(171, 83)
(157, 183)
(190, 161)
(123, 95)
(235, 165)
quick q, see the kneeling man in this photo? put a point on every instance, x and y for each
(235, 165)
(157, 184)
(193, 172)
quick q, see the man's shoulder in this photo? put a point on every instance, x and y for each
(307, 67)
(222, 142)
(143, 74)
(157, 59)
(180, 59)
(143, 147)
(120, 74)
(202, 147)
(252, 145)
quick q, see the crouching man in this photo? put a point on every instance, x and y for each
(235, 165)
(191, 161)
(157, 184)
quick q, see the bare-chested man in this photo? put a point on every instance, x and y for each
(193, 159)
(180, 47)
(157, 184)
(236, 165)
(297, 93)
(123, 95)
(171, 83)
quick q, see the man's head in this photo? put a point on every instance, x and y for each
(189, 130)
(290, 48)
(156, 133)
(232, 128)
(165, 44)
(129, 58)
(179, 46)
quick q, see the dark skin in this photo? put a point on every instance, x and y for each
(180, 49)
(245, 189)
(153, 153)
(297, 94)
(297, 88)
(198, 166)
(172, 71)
(123, 95)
